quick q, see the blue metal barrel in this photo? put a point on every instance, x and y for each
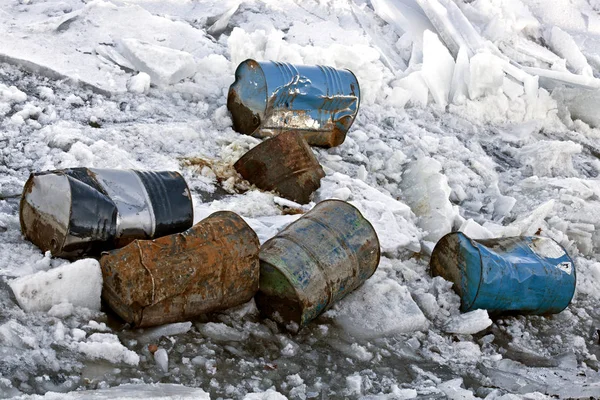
(316, 261)
(528, 275)
(270, 97)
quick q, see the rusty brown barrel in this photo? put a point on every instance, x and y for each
(316, 261)
(269, 97)
(79, 212)
(211, 266)
(285, 164)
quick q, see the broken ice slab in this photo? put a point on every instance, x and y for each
(79, 284)
(269, 97)
(582, 104)
(529, 275)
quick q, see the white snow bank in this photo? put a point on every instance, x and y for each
(79, 284)
(106, 346)
(164, 65)
(380, 307)
(468, 323)
(130, 391)
(427, 192)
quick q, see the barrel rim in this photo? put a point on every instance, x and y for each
(465, 306)
(238, 72)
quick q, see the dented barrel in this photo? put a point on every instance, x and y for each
(210, 267)
(316, 261)
(285, 164)
(529, 275)
(270, 97)
(78, 212)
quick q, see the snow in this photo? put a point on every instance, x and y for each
(78, 284)
(478, 116)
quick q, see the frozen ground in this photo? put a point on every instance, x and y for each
(476, 115)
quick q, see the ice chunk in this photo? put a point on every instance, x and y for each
(438, 68)
(221, 332)
(399, 97)
(563, 44)
(151, 334)
(79, 283)
(451, 24)
(453, 389)
(582, 105)
(404, 15)
(486, 75)
(550, 157)
(550, 79)
(380, 307)
(475, 231)
(164, 65)
(415, 84)
(354, 384)
(139, 83)
(469, 323)
(530, 224)
(161, 358)
(460, 78)
(108, 347)
(268, 395)
(131, 391)
(427, 192)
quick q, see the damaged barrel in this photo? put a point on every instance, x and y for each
(529, 275)
(285, 164)
(210, 267)
(316, 261)
(269, 97)
(78, 212)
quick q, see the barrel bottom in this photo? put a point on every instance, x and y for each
(279, 309)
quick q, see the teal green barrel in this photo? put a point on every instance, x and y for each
(316, 261)
(527, 275)
(268, 98)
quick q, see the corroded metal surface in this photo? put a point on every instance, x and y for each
(529, 275)
(268, 98)
(285, 164)
(316, 261)
(211, 266)
(82, 211)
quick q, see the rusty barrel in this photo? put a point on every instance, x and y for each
(528, 275)
(316, 261)
(78, 212)
(285, 164)
(270, 97)
(211, 266)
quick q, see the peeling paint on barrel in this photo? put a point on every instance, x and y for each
(269, 97)
(316, 261)
(528, 275)
(80, 212)
(210, 267)
(285, 164)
